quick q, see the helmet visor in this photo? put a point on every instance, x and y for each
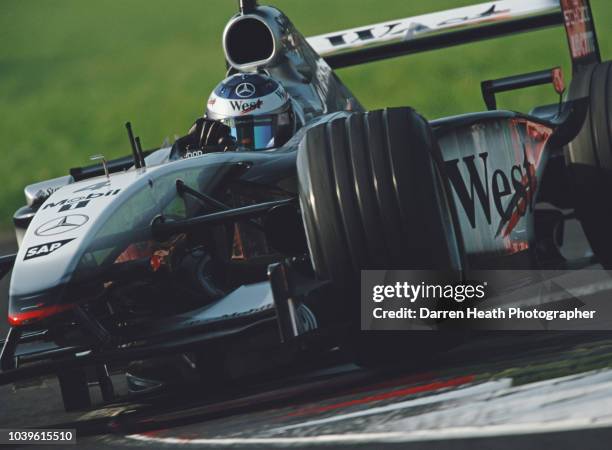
(261, 132)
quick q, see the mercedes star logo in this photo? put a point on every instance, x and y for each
(61, 225)
(245, 90)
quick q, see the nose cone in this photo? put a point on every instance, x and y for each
(53, 245)
(43, 266)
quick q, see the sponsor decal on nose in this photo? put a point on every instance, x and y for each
(45, 249)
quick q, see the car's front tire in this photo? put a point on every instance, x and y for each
(372, 197)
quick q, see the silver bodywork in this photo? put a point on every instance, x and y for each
(310, 81)
(97, 215)
(37, 193)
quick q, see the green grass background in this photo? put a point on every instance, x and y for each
(73, 71)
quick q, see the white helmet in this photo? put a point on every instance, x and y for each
(256, 108)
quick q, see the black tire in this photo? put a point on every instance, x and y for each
(589, 159)
(372, 198)
(75, 389)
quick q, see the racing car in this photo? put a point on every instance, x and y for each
(208, 245)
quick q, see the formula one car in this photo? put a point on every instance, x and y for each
(156, 254)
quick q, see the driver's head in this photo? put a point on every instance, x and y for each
(256, 108)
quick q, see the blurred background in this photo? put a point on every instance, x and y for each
(72, 72)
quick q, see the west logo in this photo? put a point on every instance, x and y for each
(246, 106)
(45, 249)
(405, 28)
(519, 182)
(79, 202)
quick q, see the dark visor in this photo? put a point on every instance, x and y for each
(261, 132)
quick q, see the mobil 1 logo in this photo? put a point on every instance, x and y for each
(70, 204)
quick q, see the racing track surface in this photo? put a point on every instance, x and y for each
(516, 390)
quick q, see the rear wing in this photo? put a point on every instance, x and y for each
(461, 26)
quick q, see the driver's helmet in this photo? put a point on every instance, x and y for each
(256, 108)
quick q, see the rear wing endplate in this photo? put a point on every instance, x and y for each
(460, 26)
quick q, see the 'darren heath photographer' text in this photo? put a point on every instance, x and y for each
(456, 293)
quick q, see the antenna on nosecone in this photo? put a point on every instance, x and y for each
(135, 144)
(140, 152)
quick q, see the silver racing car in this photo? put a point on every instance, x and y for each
(251, 230)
